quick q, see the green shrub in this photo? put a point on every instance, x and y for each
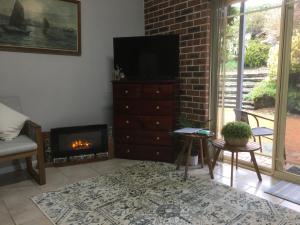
(231, 65)
(273, 62)
(236, 129)
(295, 53)
(293, 103)
(295, 57)
(264, 88)
(257, 54)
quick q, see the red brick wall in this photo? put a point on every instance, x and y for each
(191, 20)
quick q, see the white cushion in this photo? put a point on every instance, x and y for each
(11, 123)
(20, 144)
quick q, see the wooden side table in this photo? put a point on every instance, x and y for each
(185, 152)
(220, 144)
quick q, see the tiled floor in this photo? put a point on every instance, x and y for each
(16, 208)
(262, 160)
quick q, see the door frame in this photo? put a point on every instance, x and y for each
(287, 16)
(282, 81)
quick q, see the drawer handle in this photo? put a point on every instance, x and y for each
(157, 123)
(126, 92)
(128, 150)
(127, 137)
(157, 92)
(157, 107)
(127, 122)
(127, 107)
(157, 138)
(157, 153)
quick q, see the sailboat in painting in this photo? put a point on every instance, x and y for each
(40, 26)
(17, 23)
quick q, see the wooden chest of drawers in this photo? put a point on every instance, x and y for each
(144, 116)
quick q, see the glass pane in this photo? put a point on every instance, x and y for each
(292, 141)
(253, 5)
(260, 73)
(229, 64)
(262, 31)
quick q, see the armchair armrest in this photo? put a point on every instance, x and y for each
(256, 117)
(32, 124)
(33, 131)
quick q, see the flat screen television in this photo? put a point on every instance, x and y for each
(148, 57)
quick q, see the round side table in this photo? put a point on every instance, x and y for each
(219, 145)
(186, 152)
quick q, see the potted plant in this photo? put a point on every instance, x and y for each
(236, 133)
(193, 158)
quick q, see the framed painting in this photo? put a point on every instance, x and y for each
(40, 26)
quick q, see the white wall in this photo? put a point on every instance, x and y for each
(58, 91)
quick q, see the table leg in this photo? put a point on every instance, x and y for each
(187, 158)
(205, 150)
(255, 166)
(216, 158)
(181, 153)
(232, 161)
(201, 145)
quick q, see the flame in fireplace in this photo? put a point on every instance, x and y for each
(81, 145)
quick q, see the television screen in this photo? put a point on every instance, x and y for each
(147, 57)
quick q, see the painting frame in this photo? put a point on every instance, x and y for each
(74, 52)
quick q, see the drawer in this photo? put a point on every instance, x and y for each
(127, 152)
(144, 108)
(157, 108)
(127, 90)
(154, 138)
(158, 91)
(126, 107)
(144, 122)
(157, 122)
(142, 152)
(125, 136)
(162, 154)
(143, 137)
(127, 122)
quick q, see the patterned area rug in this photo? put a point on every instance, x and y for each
(154, 193)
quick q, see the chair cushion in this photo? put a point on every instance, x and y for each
(262, 131)
(18, 145)
(11, 123)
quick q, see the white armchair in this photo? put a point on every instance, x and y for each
(26, 145)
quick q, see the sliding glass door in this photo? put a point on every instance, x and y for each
(249, 35)
(287, 161)
(256, 68)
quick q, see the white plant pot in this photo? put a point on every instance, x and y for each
(193, 160)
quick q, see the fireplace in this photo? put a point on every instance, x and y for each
(72, 142)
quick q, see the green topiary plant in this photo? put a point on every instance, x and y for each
(236, 133)
(257, 54)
